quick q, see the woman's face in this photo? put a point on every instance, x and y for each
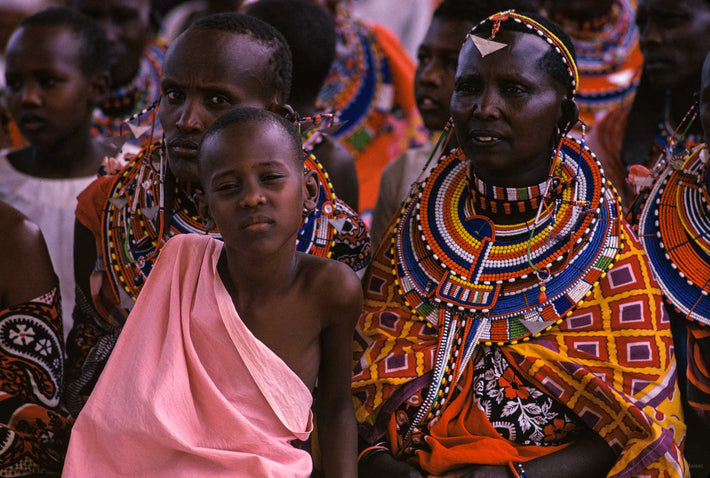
(506, 110)
(675, 36)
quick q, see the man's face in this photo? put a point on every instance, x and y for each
(675, 36)
(206, 74)
(436, 67)
(127, 26)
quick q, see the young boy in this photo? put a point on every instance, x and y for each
(239, 332)
(310, 33)
(56, 73)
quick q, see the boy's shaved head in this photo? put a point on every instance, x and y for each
(248, 115)
(279, 65)
(93, 55)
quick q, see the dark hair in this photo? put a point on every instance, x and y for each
(93, 54)
(310, 33)
(477, 11)
(279, 66)
(249, 115)
(551, 62)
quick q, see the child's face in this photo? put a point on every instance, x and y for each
(48, 94)
(436, 68)
(206, 74)
(255, 188)
(127, 26)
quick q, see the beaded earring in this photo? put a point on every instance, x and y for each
(553, 194)
(673, 154)
(134, 122)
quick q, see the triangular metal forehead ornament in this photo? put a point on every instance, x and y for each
(486, 47)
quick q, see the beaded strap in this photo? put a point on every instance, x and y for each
(541, 31)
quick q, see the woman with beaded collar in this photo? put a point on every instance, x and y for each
(511, 237)
(605, 38)
(674, 228)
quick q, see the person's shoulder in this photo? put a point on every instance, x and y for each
(333, 283)
(18, 231)
(25, 265)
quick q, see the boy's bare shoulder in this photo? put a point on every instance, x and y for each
(335, 285)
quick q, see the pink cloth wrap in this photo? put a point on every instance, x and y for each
(189, 390)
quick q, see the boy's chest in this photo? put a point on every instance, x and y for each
(292, 331)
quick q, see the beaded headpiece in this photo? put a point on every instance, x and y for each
(534, 26)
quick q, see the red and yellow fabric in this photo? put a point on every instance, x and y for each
(698, 373)
(610, 362)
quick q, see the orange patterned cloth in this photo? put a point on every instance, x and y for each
(35, 427)
(610, 363)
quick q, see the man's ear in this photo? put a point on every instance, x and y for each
(311, 190)
(204, 211)
(283, 110)
(570, 115)
(99, 87)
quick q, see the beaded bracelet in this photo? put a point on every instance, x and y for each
(517, 468)
(371, 450)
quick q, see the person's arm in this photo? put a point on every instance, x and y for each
(588, 457)
(337, 432)
(26, 267)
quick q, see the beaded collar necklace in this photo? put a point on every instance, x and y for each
(477, 282)
(604, 44)
(447, 258)
(501, 200)
(674, 229)
(125, 101)
(134, 220)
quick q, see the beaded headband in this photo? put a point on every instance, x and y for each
(540, 30)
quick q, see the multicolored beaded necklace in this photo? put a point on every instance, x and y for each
(130, 99)
(478, 282)
(608, 58)
(674, 229)
(358, 84)
(134, 220)
(500, 200)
